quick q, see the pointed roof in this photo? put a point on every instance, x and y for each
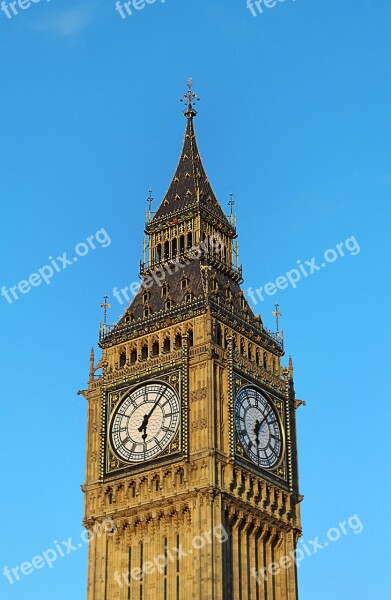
(190, 187)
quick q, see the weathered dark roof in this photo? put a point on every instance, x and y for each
(195, 285)
(190, 187)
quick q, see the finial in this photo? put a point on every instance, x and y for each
(231, 204)
(276, 313)
(148, 212)
(150, 199)
(189, 98)
(105, 305)
(92, 361)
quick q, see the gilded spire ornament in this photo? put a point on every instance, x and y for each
(189, 98)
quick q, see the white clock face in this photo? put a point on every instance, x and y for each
(258, 428)
(144, 424)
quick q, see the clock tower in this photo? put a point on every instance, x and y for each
(191, 436)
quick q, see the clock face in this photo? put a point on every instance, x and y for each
(145, 422)
(258, 428)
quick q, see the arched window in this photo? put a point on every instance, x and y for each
(191, 338)
(218, 334)
(174, 244)
(164, 290)
(144, 352)
(242, 347)
(167, 305)
(182, 244)
(167, 250)
(158, 253)
(167, 345)
(155, 348)
(132, 489)
(133, 357)
(122, 359)
(178, 341)
(181, 476)
(189, 240)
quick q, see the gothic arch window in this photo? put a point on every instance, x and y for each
(264, 360)
(219, 337)
(132, 489)
(257, 356)
(182, 244)
(166, 250)
(184, 283)
(225, 338)
(174, 246)
(145, 297)
(167, 345)
(144, 352)
(188, 297)
(168, 304)
(249, 351)
(146, 312)
(155, 348)
(133, 357)
(181, 476)
(242, 348)
(122, 359)
(164, 290)
(109, 494)
(191, 337)
(158, 253)
(189, 240)
(178, 341)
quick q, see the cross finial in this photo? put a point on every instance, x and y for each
(150, 200)
(276, 313)
(105, 305)
(231, 203)
(189, 98)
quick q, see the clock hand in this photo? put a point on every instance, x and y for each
(144, 426)
(156, 404)
(258, 424)
(145, 422)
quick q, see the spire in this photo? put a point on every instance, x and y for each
(190, 187)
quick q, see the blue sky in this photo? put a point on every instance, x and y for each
(295, 121)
